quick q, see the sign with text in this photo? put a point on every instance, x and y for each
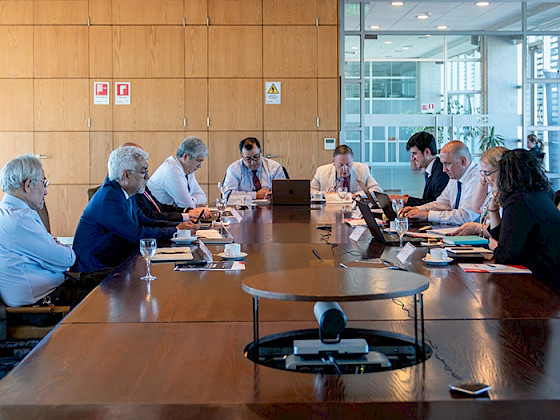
(101, 93)
(122, 93)
(273, 93)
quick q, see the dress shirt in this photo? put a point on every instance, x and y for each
(240, 178)
(442, 210)
(170, 186)
(325, 179)
(31, 261)
(154, 209)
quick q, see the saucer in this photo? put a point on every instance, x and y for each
(437, 262)
(237, 257)
(184, 240)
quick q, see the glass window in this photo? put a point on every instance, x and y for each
(352, 110)
(352, 57)
(543, 16)
(401, 47)
(351, 16)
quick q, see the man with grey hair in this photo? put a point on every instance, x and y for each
(32, 262)
(112, 225)
(174, 181)
(453, 206)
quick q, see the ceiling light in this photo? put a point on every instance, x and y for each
(441, 27)
(405, 48)
(374, 27)
(354, 48)
(388, 42)
(424, 15)
(397, 3)
(482, 3)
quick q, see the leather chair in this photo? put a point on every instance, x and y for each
(92, 191)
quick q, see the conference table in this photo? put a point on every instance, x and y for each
(174, 347)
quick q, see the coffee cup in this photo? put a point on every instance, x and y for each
(438, 254)
(393, 226)
(182, 234)
(317, 196)
(232, 250)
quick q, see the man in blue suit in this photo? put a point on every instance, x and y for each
(112, 225)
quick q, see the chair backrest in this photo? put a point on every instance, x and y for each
(44, 215)
(285, 173)
(557, 198)
(91, 191)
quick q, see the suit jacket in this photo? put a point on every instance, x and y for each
(435, 184)
(169, 212)
(110, 229)
(325, 179)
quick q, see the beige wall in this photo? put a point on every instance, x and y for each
(195, 72)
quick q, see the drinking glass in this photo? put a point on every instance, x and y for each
(148, 247)
(342, 193)
(398, 205)
(222, 188)
(401, 225)
(221, 204)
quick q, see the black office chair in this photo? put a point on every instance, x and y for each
(557, 198)
(285, 173)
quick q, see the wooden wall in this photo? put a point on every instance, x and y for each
(200, 61)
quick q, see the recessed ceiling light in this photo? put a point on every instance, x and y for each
(482, 3)
(424, 15)
(397, 3)
(354, 48)
(441, 27)
(405, 48)
(374, 27)
(388, 42)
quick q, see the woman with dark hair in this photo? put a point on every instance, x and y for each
(530, 230)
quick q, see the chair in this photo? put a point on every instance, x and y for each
(91, 191)
(285, 173)
(557, 199)
(44, 215)
(23, 330)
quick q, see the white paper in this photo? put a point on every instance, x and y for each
(358, 233)
(406, 252)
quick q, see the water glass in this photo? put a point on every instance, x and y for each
(401, 225)
(398, 205)
(148, 247)
(221, 204)
(342, 193)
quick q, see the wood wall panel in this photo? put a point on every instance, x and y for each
(100, 147)
(287, 12)
(16, 12)
(101, 116)
(224, 150)
(327, 11)
(66, 204)
(296, 151)
(327, 51)
(298, 110)
(196, 103)
(327, 103)
(14, 144)
(148, 51)
(100, 12)
(16, 105)
(61, 104)
(100, 51)
(67, 154)
(290, 51)
(60, 12)
(325, 156)
(196, 12)
(196, 51)
(235, 51)
(235, 12)
(156, 104)
(152, 12)
(60, 51)
(16, 45)
(235, 104)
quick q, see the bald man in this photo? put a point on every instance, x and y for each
(453, 206)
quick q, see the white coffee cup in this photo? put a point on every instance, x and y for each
(182, 234)
(317, 196)
(393, 226)
(438, 254)
(232, 250)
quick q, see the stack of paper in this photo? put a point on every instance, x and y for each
(495, 268)
(173, 254)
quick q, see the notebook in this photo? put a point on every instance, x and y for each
(291, 192)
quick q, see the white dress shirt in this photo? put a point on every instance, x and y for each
(442, 211)
(31, 261)
(240, 178)
(325, 179)
(170, 185)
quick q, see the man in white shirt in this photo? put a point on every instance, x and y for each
(253, 173)
(343, 171)
(32, 262)
(174, 181)
(453, 206)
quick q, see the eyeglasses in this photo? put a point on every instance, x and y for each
(44, 181)
(144, 173)
(486, 173)
(254, 158)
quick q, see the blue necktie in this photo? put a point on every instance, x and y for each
(425, 176)
(458, 195)
(188, 185)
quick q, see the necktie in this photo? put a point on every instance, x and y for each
(151, 200)
(345, 183)
(458, 195)
(130, 209)
(425, 176)
(256, 181)
(188, 185)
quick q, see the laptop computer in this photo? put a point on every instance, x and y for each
(387, 206)
(291, 192)
(372, 200)
(383, 237)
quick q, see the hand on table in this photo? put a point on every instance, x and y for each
(189, 224)
(415, 213)
(492, 244)
(194, 213)
(264, 193)
(469, 228)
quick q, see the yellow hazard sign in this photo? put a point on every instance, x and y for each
(272, 89)
(273, 93)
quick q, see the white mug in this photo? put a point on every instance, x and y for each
(438, 254)
(182, 234)
(317, 196)
(232, 250)
(393, 226)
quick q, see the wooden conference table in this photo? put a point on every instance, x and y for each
(176, 350)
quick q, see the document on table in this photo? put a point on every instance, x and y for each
(168, 254)
(444, 231)
(495, 268)
(213, 266)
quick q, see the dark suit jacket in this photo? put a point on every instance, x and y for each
(169, 212)
(435, 184)
(109, 231)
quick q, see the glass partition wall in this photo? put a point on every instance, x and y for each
(457, 69)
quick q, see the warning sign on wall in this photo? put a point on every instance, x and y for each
(122, 93)
(273, 93)
(101, 93)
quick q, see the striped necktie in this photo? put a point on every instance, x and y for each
(151, 200)
(256, 181)
(458, 195)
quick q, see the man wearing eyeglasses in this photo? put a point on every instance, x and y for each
(32, 262)
(112, 225)
(253, 173)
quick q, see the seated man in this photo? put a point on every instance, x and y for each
(253, 173)
(112, 225)
(343, 171)
(423, 150)
(32, 262)
(174, 181)
(453, 206)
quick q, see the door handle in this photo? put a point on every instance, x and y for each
(271, 156)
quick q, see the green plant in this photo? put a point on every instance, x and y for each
(490, 139)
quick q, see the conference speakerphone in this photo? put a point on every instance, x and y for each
(370, 362)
